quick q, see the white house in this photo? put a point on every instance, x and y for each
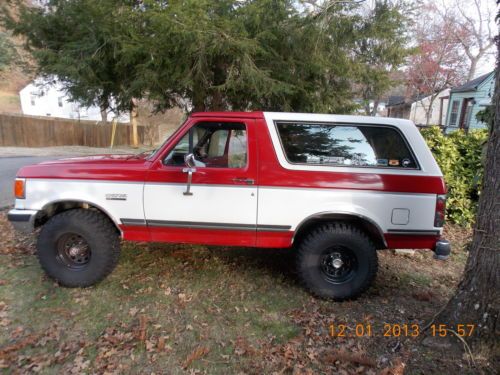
(438, 110)
(48, 98)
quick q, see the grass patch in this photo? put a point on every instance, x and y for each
(195, 309)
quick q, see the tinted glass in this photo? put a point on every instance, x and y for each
(215, 145)
(345, 145)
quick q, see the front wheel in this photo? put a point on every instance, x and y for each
(337, 261)
(78, 248)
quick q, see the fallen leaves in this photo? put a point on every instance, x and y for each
(8, 349)
(4, 321)
(198, 353)
(397, 369)
(356, 358)
(156, 314)
(424, 295)
(143, 323)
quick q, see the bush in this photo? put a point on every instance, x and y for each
(459, 156)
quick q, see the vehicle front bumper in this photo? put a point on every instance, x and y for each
(22, 220)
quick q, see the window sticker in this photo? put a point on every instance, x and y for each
(405, 162)
(393, 162)
(383, 162)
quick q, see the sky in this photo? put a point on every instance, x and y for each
(487, 64)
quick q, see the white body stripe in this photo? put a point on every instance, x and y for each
(216, 203)
(227, 204)
(40, 192)
(292, 206)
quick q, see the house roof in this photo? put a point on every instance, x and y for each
(473, 84)
(402, 100)
(395, 100)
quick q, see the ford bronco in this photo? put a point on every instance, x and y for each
(334, 189)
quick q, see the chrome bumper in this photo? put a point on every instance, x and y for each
(22, 220)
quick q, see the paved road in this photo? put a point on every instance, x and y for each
(8, 169)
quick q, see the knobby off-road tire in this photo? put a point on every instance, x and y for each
(337, 261)
(78, 248)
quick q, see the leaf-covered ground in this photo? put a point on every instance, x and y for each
(177, 309)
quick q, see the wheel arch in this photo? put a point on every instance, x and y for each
(55, 207)
(366, 224)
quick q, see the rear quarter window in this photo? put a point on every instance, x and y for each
(346, 145)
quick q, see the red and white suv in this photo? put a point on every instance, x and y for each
(334, 189)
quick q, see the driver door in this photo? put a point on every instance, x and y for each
(220, 207)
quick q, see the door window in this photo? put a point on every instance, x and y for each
(214, 145)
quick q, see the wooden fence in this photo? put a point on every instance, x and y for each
(30, 131)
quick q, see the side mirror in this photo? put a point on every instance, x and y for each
(189, 160)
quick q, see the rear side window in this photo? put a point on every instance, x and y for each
(345, 145)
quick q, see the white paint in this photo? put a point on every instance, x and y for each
(231, 204)
(48, 98)
(41, 192)
(417, 143)
(285, 206)
(418, 109)
(209, 203)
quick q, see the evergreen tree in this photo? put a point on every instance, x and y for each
(206, 55)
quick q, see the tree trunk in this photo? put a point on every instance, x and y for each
(219, 72)
(198, 98)
(133, 119)
(473, 67)
(477, 299)
(375, 108)
(104, 114)
(428, 111)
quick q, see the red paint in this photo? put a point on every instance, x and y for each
(102, 167)
(274, 239)
(397, 241)
(217, 237)
(135, 233)
(230, 115)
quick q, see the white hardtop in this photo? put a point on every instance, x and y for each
(350, 119)
(428, 165)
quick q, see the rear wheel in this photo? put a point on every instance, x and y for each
(337, 261)
(78, 248)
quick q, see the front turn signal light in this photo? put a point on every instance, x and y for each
(20, 188)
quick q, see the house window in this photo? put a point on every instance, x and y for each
(60, 101)
(32, 99)
(454, 112)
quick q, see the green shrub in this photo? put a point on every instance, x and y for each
(459, 156)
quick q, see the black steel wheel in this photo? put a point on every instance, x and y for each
(336, 261)
(338, 264)
(73, 251)
(78, 248)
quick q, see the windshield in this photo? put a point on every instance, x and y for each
(155, 152)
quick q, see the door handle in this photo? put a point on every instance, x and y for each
(243, 180)
(190, 172)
